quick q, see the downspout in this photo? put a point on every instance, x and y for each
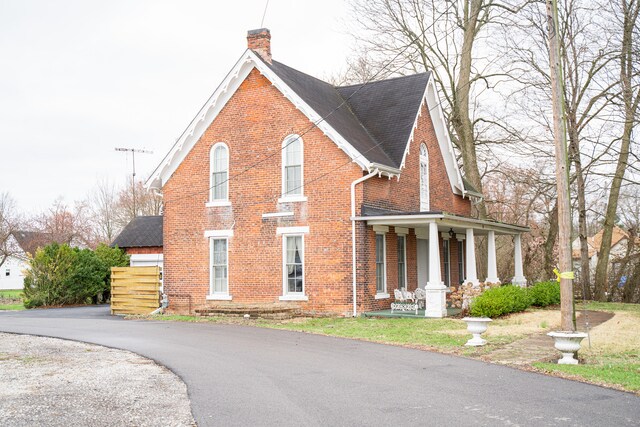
(353, 233)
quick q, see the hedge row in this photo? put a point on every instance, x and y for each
(512, 299)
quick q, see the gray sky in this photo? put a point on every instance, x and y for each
(79, 78)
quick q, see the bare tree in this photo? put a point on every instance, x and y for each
(65, 224)
(103, 207)
(10, 222)
(626, 13)
(449, 39)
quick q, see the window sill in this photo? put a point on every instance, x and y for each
(382, 296)
(219, 297)
(294, 298)
(289, 199)
(217, 203)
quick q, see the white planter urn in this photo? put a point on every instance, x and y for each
(567, 343)
(477, 326)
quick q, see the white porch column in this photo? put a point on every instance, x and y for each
(436, 305)
(472, 274)
(519, 278)
(492, 266)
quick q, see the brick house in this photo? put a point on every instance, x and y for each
(285, 189)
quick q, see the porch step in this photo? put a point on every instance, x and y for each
(265, 311)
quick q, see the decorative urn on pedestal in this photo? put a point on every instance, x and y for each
(477, 326)
(568, 343)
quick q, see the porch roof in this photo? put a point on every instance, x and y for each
(445, 221)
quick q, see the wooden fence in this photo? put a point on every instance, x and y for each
(135, 290)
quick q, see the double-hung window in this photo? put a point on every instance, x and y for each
(447, 262)
(381, 273)
(219, 267)
(424, 178)
(292, 167)
(219, 173)
(461, 261)
(402, 262)
(293, 264)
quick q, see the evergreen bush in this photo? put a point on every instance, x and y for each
(545, 293)
(496, 302)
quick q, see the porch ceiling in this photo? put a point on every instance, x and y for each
(445, 222)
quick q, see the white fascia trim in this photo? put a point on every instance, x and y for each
(293, 297)
(432, 103)
(218, 233)
(146, 257)
(219, 297)
(445, 220)
(292, 230)
(277, 214)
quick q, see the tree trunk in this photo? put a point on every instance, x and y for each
(627, 72)
(460, 116)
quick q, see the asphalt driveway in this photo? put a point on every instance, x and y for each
(250, 376)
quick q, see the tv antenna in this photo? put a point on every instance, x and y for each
(133, 152)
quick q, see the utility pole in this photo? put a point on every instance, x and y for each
(567, 319)
(133, 152)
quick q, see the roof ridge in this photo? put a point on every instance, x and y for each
(383, 80)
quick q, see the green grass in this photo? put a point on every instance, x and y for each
(12, 307)
(433, 333)
(11, 294)
(622, 370)
(608, 306)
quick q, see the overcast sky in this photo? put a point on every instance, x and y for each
(79, 78)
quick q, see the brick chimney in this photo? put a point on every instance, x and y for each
(259, 41)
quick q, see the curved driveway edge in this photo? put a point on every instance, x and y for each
(53, 382)
(240, 375)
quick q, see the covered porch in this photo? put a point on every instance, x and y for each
(435, 232)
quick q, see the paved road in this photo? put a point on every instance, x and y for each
(249, 376)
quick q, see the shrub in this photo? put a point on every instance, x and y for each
(496, 302)
(545, 293)
(60, 275)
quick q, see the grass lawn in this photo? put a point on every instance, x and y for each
(11, 300)
(613, 358)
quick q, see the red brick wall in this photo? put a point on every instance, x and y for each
(254, 124)
(146, 250)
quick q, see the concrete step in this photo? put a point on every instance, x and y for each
(264, 311)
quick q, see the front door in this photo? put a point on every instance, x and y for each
(423, 262)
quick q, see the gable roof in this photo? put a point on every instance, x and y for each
(31, 241)
(372, 123)
(142, 231)
(594, 242)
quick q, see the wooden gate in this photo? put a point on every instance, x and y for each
(135, 290)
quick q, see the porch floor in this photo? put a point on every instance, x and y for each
(410, 314)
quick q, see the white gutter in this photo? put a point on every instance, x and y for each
(353, 232)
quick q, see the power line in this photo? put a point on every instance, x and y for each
(321, 119)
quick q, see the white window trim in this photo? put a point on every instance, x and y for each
(218, 233)
(384, 293)
(217, 202)
(219, 296)
(292, 230)
(277, 214)
(424, 201)
(406, 279)
(286, 295)
(293, 197)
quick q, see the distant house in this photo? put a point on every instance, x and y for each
(23, 244)
(142, 240)
(619, 242)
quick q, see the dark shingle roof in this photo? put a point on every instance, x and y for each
(142, 231)
(31, 241)
(376, 120)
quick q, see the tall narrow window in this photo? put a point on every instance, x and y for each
(292, 157)
(424, 178)
(219, 267)
(402, 262)
(219, 172)
(461, 261)
(381, 279)
(294, 264)
(447, 263)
